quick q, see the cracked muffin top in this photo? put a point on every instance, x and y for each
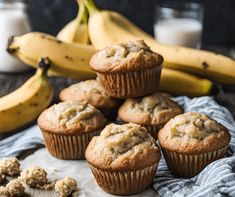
(122, 57)
(122, 147)
(193, 133)
(71, 117)
(92, 92)
(155, 109)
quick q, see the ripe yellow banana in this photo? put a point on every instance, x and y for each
(180, 83)
(27, 102)
(66, 58)
(108, 27)
(76, 30)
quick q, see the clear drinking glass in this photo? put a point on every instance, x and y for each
(179, 24)
(13, 21)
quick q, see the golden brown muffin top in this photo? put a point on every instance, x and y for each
(155, 109)
(193, 133)
(92, 92)
(71, 117)
(124, 57)
(122, 147)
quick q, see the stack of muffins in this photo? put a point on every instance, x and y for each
(124, 158)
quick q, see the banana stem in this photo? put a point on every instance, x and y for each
(90, 6)
(44, 64)
(10, 48)
(82, 16)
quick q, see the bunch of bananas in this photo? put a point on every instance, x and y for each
(70, 52)
(27, 102)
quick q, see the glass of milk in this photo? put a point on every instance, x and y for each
(179, 24)
(13, 21)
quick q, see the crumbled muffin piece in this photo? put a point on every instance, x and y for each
(66, 186)
(34, 177)
(4, 192)
(15, 188)
(10, 166)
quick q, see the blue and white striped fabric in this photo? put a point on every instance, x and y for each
(217, 179)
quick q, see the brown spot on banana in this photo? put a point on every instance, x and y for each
(68, 58)
(59, 41)
(33, 104)
(47, 97)
(205, 65)
(51, 39)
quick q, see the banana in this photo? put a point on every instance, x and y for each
(180, 83)
(27, 102)
(76, 30)
(65, 57)
(108, 27)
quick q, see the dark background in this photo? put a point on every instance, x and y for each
(219, 29)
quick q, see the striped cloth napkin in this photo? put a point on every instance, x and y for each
(217, 179)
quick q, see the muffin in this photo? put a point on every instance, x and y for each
(152, 111)
(69, 126)
(123, 159)
(191, 141)
(94, 93)
(128, 69)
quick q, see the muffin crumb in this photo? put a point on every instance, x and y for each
(15, 188)
(4, 192)
(10, 166)
(35, 177)
(66, 186)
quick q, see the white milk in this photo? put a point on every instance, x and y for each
(12, 22)
(179, 31)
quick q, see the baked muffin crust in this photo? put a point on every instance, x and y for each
(34, 176)
(66, 186)
(71, 117)
(15, 188)
(155, 109)
(10, 166)
(193, 133)
(128, 56)
(122, 147)
(4, 192)
(92, 92)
